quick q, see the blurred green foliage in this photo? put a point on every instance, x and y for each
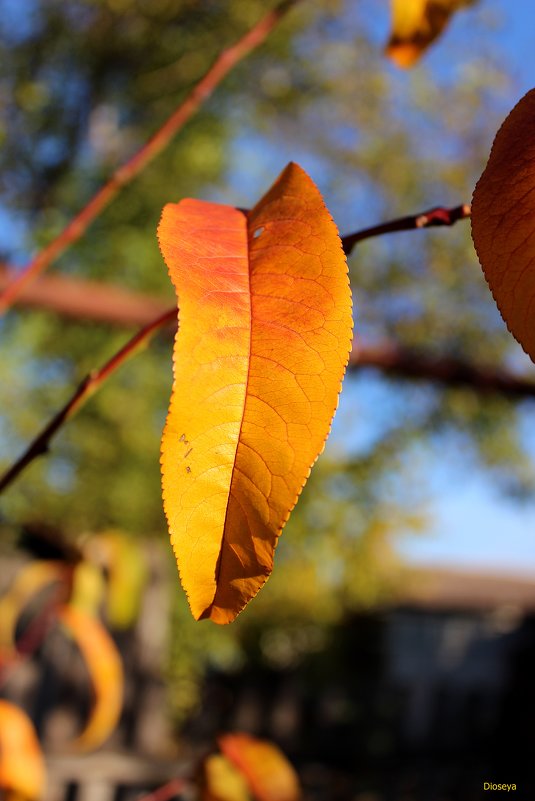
(83, 83)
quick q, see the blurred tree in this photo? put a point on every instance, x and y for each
(82, 85)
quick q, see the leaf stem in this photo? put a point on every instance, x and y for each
(438, 216)
(224, 63)
(90, 384)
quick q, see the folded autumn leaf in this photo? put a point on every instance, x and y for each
(106, 673)
(32, 579)
(503, 222)
(415, 25)
(22, 767)
(264, 339)
(268, 773)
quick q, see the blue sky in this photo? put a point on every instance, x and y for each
(473, 526)
(517, 39)
(475, 529)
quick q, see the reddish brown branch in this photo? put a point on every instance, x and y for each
(427, 219)
(387, 358)
(223, 64)
(88, 300)
(412, 364)
(88, 387)
(102, 302)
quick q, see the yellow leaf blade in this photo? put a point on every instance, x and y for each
(88, 587)
(269, 774)
(503, 210)
(223, 782)
(127, 573)
(265, 333)
(22, 767)
(106, 672)
(415, 25)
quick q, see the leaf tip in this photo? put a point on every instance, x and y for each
(403, 54)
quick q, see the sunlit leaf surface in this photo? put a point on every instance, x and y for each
(265, 331)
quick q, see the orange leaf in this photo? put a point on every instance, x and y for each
(268, 772)
(265, 331)
(105, 669)
(22, 768)
(415, 25)
(503, 210)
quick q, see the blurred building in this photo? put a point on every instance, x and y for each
(424, 700)
(421, 700)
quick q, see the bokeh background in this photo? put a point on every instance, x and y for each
(391, 652)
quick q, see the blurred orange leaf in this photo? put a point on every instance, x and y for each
(105, 670)
(415, 25)
(269, 774)
(223, 782)
(33, 578)
(503, 210)
(265, 332)
(22, 768)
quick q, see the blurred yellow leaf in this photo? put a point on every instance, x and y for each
(503, 211)
(127, 573)
(22, 768)
(29, 582)
(88, 587)
(415, 25)
(105, 670)
(264, 339)
(269, 774)
(223, 782)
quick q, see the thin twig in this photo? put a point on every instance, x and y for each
(166, 792)
(427, 219)
(223, 64)
(88, 387)
(389, 359)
